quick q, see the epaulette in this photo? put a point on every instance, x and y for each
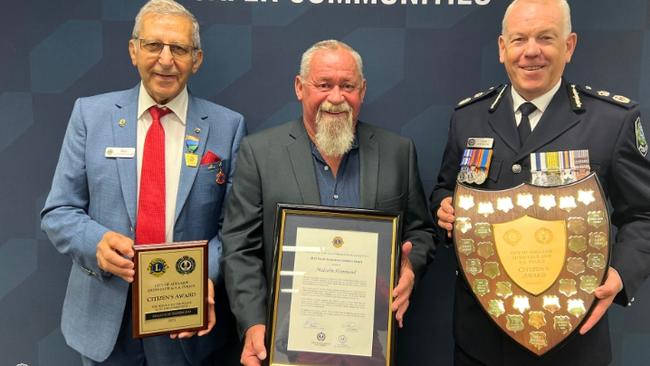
(478, 96)
(615, 99)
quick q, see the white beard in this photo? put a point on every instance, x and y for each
(334, 134)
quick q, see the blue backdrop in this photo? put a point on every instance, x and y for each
(421, 58)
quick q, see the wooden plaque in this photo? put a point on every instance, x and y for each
(170, 293)
(533, 256)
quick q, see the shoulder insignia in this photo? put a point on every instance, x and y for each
(476, 97)
(607, 96)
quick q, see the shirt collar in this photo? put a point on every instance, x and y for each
(178, 105)
(540, 102)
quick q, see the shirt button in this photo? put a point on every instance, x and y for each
(336, 196)
(516, 168)
(326, 168)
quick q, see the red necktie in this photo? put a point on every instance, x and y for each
(150, 223)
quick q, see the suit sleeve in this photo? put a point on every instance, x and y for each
(216, 243)
(630, 198)
(418, 227)
(65, 217)
(446, 178)
(243, 259)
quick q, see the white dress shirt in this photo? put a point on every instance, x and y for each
(174, 126)
(540, 102)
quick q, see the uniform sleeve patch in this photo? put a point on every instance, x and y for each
(641, 143)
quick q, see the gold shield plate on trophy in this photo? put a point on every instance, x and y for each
(533, 268)
(532, 251)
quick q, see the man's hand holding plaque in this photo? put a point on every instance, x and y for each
(605, 295)
(212, 317)
(114, 255)
(446, 216)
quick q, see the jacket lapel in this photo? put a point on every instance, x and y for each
(553, 123)
(369, 164)
(197, 120)
(302, 163)
(502, 122)
(125, 136)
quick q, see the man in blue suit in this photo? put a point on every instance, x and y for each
(145, 165)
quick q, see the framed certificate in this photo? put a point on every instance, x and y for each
(170, 293)
(334, 271)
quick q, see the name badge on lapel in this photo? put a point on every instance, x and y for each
(480, 143)
(119, 152)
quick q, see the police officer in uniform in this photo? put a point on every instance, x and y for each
(539, 111)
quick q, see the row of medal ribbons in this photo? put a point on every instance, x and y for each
(475, 165)
(547, 168)
(559, 167)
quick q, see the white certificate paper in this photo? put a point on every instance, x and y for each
(333, 293)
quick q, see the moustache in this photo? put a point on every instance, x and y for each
(335, 108)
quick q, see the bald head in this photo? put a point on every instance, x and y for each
(565, 10)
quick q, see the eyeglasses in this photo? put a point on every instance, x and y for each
(156, 47)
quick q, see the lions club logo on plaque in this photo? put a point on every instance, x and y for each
(533, 256)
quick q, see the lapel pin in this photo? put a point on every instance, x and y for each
(122, 122)
(197, 130)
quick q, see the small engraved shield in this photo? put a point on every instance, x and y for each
(547, 260)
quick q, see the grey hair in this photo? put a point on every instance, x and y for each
(329, 44)
(167, 7)
(564, 7)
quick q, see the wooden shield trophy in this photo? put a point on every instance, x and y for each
(533, 256)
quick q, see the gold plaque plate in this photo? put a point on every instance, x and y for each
(169, 293)
(534, 267)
